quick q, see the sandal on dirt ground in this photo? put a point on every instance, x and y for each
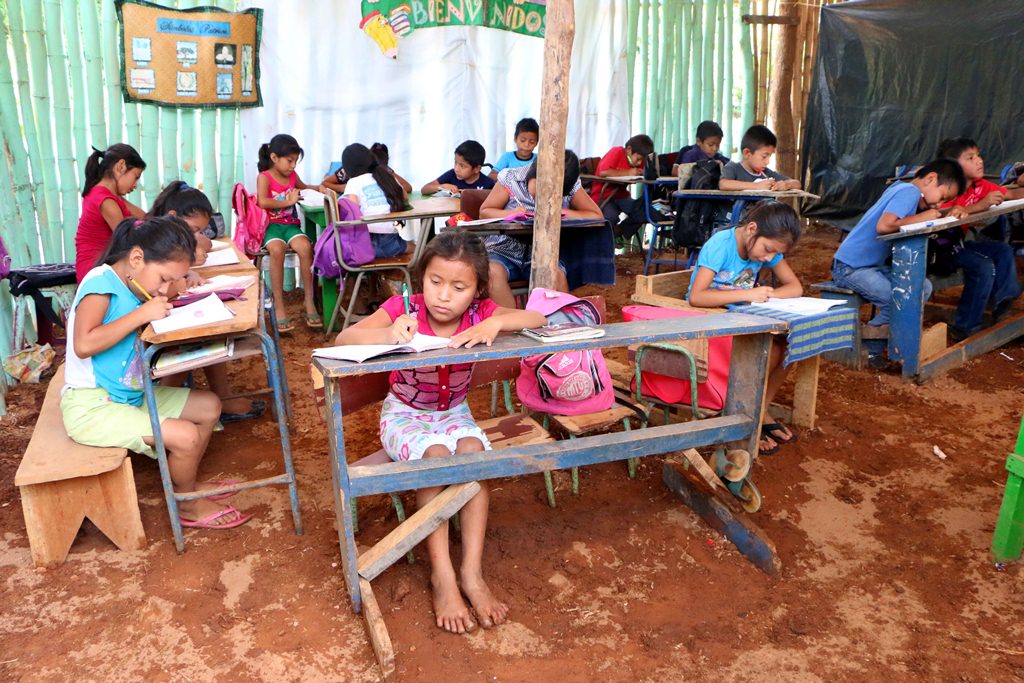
(218, 483)
(766, 450)
(314, 321)
(285, 325)
(256, 408)
(208, 522)
(776, 431)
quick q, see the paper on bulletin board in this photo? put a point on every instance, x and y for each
(199, 57)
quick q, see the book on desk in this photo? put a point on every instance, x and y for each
(359, 353)
(192, 356)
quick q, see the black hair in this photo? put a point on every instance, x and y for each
(640, 144)
(380, 152)
(571, 175)
(758, 136)
(456, 245)
(948, 172)
(526, 125)
(774, 220)
(952, 148)
(709, 129)
(101, 163)
(163, 238)
(282, 145)
(473, 152)
(182, 200)
(357, 160)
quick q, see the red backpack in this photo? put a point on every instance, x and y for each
(251, 226)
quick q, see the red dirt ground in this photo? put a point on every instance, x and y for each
(886, 568)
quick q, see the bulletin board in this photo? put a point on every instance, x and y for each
(201, 57)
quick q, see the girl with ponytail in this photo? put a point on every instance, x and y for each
(373, 187)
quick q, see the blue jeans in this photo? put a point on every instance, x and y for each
(387, 245)
(874, 283)
(990, 276)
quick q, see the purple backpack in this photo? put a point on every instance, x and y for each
(356, 247)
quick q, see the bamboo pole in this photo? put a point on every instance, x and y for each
(34, 100)
(208, 143)
(728, 105)
(749, 105)
(189, 129)
(14, 236)
(92, 51)
(780, 107)
(149, 139)
(112, 67)
(27, 237)
(670, 108)
(79, 113)
(697, 61)
(654, 84)
(723, 48)
(645, 60)
(554, 110)
(65, 152)
(707, 98)
(632, 17)
(227, 174)
(682, 60)
(765, 75)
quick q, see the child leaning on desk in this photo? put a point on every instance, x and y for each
(525, 137)
(860, 262)
(465, 174)
(425, 415)
(726, 273)
(627, 160)
(752, 172)
(102, 400)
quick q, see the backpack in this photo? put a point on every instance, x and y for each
(251, 226)
(696, 219)
(356, 246)
(942, 250)
(566, 382)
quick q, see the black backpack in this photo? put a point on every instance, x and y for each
(696, 219)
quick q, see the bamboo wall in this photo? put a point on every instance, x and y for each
(60, 94)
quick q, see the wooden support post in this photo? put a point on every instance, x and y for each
(723, 515)
(805, 392)
(748, 377)
(377, 631)
(780, 98)
(554, 112)
(406, 535)
(933, 341)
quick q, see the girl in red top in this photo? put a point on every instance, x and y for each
(109, 175)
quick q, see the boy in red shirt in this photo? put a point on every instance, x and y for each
(627, 160)
(990, 272)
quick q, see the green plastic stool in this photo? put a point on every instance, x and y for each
(1008, 540)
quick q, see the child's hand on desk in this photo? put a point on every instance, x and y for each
(758, 295)
(292, 197)
(403, 329)
(193, 279)
(199, 260)
(156, 308)
(481, 333)
(451, 188)
(957, 212)
(993, 198)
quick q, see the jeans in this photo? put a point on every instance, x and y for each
(990, 276)
(635, 218)
(874, 283)
(387, 245)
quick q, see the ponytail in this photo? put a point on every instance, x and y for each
(182, 200)
(100, 163)
(162, 239)
(263, 163)
(392, 190)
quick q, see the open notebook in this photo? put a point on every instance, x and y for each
(801, 305)
(220, 257)
(203, 312)
(362, 352)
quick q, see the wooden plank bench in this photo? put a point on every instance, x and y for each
(63, 482)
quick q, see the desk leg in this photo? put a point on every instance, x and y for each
(342, 493)
(279, 389)
(908, 275)
(748, 377)
(161, 450)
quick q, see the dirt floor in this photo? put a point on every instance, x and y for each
(885, 552)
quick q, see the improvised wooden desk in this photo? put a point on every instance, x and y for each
(909, 261)
(737, 425)
(251, 338)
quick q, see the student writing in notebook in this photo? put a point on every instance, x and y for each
(727, 270)
(425, 415)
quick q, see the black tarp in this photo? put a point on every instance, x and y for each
(894, 77)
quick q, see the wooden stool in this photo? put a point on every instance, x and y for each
(63, 482)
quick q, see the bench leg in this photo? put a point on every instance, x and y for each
(805, 392)
(54, 512)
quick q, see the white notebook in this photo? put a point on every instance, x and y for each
(203, 312)
(220, 257)
(801, 305)
(219, 282)
(362, 352)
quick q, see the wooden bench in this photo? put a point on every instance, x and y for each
(63, 482)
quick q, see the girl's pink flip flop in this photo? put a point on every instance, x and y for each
(219, 483)
(208, 521)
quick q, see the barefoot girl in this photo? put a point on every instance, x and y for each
(425, 415)
(102, 400)
(726, 273)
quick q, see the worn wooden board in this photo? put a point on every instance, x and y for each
(377, 631)
(671, 284)
(421, 524)
(724, 516)
(933, 341)
(246, 318)
(52, 455)
(974, 346)
(805, 392)
(592, 422)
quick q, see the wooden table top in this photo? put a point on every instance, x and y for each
(929, 227)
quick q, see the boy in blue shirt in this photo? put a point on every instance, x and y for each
(466, 175)
(709, 140)
(861, 262)
(526, 136)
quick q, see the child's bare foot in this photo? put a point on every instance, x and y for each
(489, 610)
(450, 610)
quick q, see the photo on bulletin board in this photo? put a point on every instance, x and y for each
(199, 57)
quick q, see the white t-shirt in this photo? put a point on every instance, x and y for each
(372, 202)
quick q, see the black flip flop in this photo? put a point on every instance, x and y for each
(769, 427)
(257, 409)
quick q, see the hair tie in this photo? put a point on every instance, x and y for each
(98, 151)
(373, 166)
(137, 223)
(183, 186)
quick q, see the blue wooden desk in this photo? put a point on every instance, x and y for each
(909, 261)
(737, 425)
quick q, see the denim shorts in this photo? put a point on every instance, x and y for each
(515, 269)
(387, 245)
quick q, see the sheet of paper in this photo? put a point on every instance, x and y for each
(1010, 202)
(482, 221)
(312, 199)
(203, 312)
(928, 224)
(802, 305)
(221, 282)
(221, 257)
(363, 352)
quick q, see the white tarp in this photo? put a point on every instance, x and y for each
(325, 82)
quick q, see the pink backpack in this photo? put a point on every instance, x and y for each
(567, 382)
(251, 226)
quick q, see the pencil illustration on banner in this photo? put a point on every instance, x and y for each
(377, 27)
